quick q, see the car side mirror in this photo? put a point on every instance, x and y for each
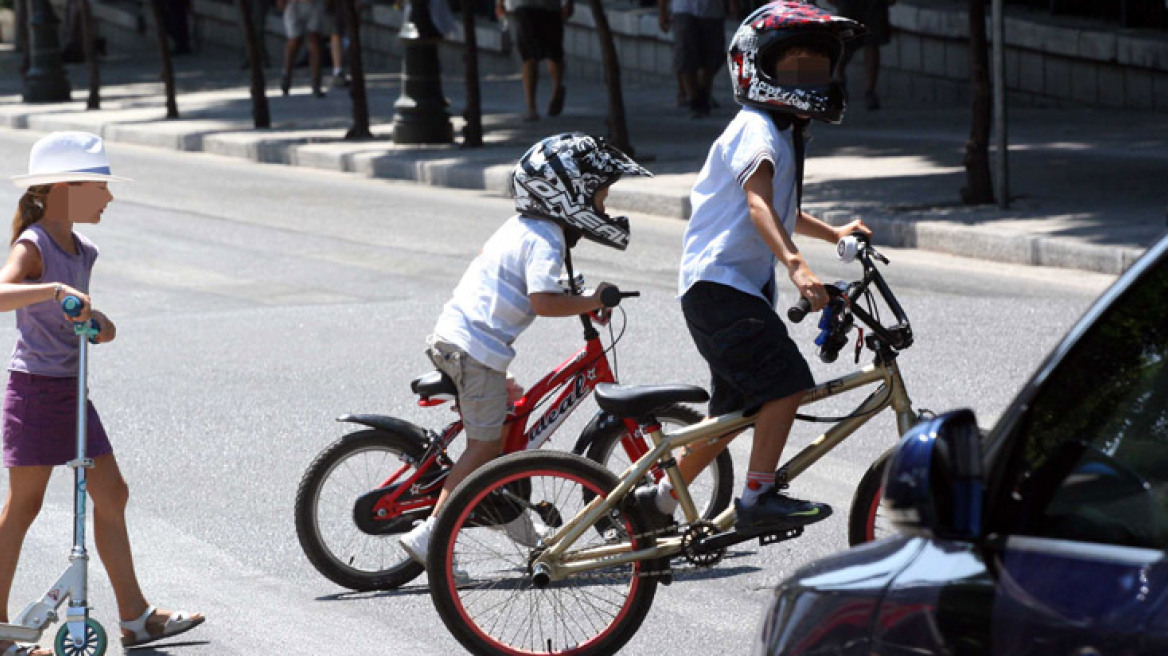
(935, 485)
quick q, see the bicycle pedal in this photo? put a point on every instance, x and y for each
(781, 536)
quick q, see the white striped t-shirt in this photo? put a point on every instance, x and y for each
(490, 306)
(721, 244)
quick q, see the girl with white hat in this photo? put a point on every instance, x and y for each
(66, 185)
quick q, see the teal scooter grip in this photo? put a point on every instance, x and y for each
(72, 307)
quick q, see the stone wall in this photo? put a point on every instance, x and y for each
(1050, 61)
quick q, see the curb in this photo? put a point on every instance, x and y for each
(489, 170)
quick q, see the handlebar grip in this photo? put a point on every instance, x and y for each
(611, 296)
(72, 305)
(799, 310)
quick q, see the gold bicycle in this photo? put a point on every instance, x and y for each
(582, 575)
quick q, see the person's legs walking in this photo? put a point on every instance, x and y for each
(556, 73)
(26, 494)
(291, 48)
(530, 83)
(110, 496)
(314, 63)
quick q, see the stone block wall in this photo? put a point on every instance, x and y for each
(1050, 61)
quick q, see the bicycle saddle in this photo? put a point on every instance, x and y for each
(641, 400)
(433, 384)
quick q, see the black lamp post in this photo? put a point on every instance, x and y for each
(45, 81)
(420, 114)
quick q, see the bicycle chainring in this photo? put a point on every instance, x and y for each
(691, 545)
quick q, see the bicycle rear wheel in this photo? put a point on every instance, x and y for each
(481, 578)
(340, 549)
(866, 521)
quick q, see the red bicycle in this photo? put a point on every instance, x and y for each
(371, 485)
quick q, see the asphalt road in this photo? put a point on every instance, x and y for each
(256, 303)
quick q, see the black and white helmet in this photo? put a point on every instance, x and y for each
(557, 179)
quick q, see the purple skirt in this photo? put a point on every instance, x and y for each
(40, 422)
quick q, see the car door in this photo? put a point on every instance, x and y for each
(1079, 502)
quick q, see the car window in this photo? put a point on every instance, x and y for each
(1092, 462)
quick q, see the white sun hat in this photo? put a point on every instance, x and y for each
(67, 157)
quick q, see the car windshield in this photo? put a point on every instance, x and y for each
(1094, 452)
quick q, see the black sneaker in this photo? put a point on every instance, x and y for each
(776, 512)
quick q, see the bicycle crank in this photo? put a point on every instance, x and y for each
(721, 541)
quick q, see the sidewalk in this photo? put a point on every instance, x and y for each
(1088, 186)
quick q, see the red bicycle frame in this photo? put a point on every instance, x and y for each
(578, 375)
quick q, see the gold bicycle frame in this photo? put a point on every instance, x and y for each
(558, 565)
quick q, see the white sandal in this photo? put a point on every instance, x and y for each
(178, 622)
(22, 649)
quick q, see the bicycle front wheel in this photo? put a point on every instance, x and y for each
(340, 549)
(487, 537)
(866, 522)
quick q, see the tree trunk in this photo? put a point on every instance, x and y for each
(472, 132)
(22, 11)
(979, 187)
(360, 129)
(261, 117)
(618, 129)
(90, 39)
(164, 53)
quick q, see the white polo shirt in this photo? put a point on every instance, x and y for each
(721, 244)
(490, 307)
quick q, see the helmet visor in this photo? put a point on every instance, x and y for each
(802, 68)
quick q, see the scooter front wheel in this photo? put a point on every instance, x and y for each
(94, 643)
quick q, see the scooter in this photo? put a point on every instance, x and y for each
(80, 635)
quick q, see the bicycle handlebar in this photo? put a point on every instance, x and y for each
(612, 296)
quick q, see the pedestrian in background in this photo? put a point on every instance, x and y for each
(303, 17)
(259, 19)
(66, 185)
(699, 46)
(338, 41)
(874, 15)
(539, 34)
(176, 16)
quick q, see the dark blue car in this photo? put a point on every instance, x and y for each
(1046, 537)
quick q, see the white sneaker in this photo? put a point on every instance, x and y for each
(417, 541)
(417, 545)
(523, 531)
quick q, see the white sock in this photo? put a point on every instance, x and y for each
(665, 500)
(757, 484)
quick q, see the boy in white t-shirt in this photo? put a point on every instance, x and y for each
(560, 185)
(784, 62)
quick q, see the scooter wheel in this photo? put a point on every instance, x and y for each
(94, 644)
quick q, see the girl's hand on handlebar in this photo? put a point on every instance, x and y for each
(809, 287)
(853, 227)
(86, 311)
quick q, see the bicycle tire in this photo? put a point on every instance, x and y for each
(864, 515)
(331, 565)
(603, 437)
(452, 533)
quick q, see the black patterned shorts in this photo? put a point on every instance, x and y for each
(752, 359)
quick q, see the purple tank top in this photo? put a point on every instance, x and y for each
(46, 345)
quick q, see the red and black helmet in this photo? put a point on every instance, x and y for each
(770, 31)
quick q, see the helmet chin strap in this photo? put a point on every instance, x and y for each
(571, 272)
(783, 120)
